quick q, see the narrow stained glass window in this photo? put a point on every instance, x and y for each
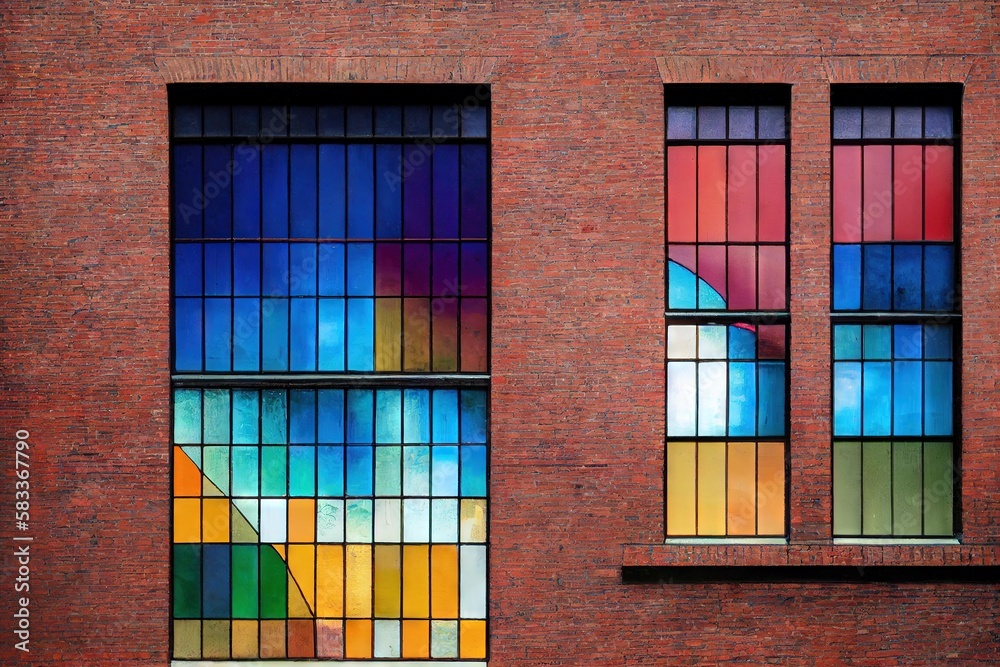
(331, 318)
(727, 312)
(895, 305)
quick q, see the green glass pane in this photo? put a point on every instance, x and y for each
(847, 488)
(273, 470)
(938, 488)
(846, 341)
(216, 467)
(246, 417)
(245, 579)
(187, 581)
(245, 471)
(273, 584)
(217, 415)
(387, 471)
(876, 488)
(877, 341)
(907, 488)
(274, 417)
(187, 416)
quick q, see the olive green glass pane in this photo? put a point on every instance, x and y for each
(876, 488)
(847, 488)
(938, 488)
(907, 488)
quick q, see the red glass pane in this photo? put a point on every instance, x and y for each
(771, 341)
(908, 190)
(939, 202)
(474, 335)
(711, 193)
(742, 277)
(712, 267)
(742, 186)
(771, 278)
(771, 168)
(847, 194)
(681, 193)
(878, 194)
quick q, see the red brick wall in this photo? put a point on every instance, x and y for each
(578, 261)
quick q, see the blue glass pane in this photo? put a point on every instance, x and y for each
(331, 334)
(246, 257)
(330, 470)
(218, 321)
(444, 471)
(907, 277)
(416, 121)
(711, 122)
(908, 121)
(331, 269)
(937, 342)
(389, 170)
(846, 277)
(273, 471)
(682, 290)
(742, 122)
(388, 415)
(877, 409)
(188, 198)
(938, 123)
(303, 194)
(742, 398)
(878, 277)
(359, 470)
(217, 121)
(359, 415)
(361, 191)
(215, 586)
(301, 471)
(187, 121)
(360, 334)
(416, 415)
(218, 271)
(330, 120)
(680, 122)
(187, 269)
(246, 471)
(302, 416)
(474, 470)
(846, 398)
(877, 341)
(246, 120)
(939, 283)
(302, 121)
(246, 334)
(907, 414)
(876, 122)
(938, 397)
(417, 192)
(246, 417)
(771, 385)
(187, 335)
(359, 121)
(907, 341)
(217, 191)
(246, 191)
(360, 269)
(303, 335)
(847, 122)
(445, 187)
(331, 415)
(474, 191)
(771, 124)
(274, 417)
(388, 121)
(847, 341)
(274, 184)
(274, 323)
(473, 416)
(332, 191)
(474, 121)
(444, 426)
(742, 343)
(275, 270)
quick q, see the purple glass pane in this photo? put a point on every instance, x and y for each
(938, 123)
(742, 121)
(711, 122)
(771, 122)
(907, 122)
(680, 122)
(876, 123)
(847, 123)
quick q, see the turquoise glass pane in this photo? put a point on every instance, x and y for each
(187, 416)
(473, 416)
(938, 398)
(877, 341)
(388, 415)
(846, 398)
(273, 471)
(416, 471)
(416, 415)
(444, 427)
(330, 470)
(907, 412)
(742, 398)
(359, 470)
(246, 417)
(246, 471)
(359, 415)
(216, 415)
(331, 415)
(302, 416)
(847, 341)
(388, 472)
(682, 288)
(712, 342)
(444, 470)
(771, 388)
(274, 417)
(846, 277)
(474, 471)
(877, 390)
(215, 465)
(302, 471)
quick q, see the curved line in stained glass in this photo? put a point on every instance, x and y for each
(685, 285)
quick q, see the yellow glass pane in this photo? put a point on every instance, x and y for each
(359, 581)
(771, 488)
(330, 580)
(741, 488)
(473, 520)
(245, 639)
(712, 488)
(187, 639)
(472, 639)
(417, 334)
(187, 520)
(416, 639)
(444, 581)
(680, 488)
(388, 334)
(272, 639)
(302, 564)
(215, 526)
(387, 580)
(187, 477)
(358, 639)
(301, 520)
(416, 581)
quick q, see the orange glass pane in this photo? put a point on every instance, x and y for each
(771, 488)
(357, 639)
(877, 221)
(387, 580)
(681, 488)
(681, 193)
(302, 566)
(908, 191)
(741, 488)
(742, 193)
(301, 643)
(187, 477)
(712, 488)
(416, 581)
(388, 334)
(272, 639)
(187, 520)
(215, 524)
(771, 198)
(329, 580)
(359, 581)
(472, 639)
(939, 202)
(301, 520)
(416, 334)
(416, 639)
(245, 639)
(711, 193)
(847, 194)
(444, 581)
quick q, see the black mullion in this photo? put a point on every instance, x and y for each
(892, 427)
(374, 446)
(432, 394)
(861, 430)
(316, 542)
(288, 263)
(201, 517)
(458, 549)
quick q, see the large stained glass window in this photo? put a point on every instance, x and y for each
(895, 313)
(330, 440)
(727, 312)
